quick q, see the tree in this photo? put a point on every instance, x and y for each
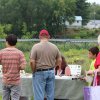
(82, 9)
(36, 14)
(60, 10)
(95, 11)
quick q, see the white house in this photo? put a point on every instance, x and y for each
(93, 24)
(76, 23)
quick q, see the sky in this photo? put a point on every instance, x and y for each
(92, 1)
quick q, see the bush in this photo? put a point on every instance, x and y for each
(82, 33)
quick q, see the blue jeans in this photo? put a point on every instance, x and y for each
(43, 84)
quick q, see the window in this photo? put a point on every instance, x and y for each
(77, 21)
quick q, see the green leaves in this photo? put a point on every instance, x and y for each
(34, 15)
(82, 9)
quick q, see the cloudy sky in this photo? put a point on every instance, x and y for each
(96, 1)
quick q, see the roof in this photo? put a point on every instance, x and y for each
(78, 18)
(94, 21)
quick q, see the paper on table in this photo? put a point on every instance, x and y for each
(75, 70)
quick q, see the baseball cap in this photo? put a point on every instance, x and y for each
(44, 33)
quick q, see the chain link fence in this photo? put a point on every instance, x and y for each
(26, 44)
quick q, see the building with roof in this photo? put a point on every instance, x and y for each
(77, 23)
(93, 24)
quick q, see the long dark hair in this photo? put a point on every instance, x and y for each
(63, 65)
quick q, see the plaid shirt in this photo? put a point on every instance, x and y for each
(11, 59)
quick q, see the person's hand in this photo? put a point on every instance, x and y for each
(59, 72)
(83, 78)
(90, 72)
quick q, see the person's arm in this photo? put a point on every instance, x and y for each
(58, 62)
(22, 67)
(33, 57)
(33, 65)
(97, 70)
(90, 72)
(22, 61)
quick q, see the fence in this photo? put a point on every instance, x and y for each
(63, 44)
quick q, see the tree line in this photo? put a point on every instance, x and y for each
(26, 18)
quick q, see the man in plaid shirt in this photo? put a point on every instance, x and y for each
(12, 61)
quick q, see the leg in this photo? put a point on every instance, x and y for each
(15, 92)
(38, 85)
(50, 84)
(6, 93)
(45, 98)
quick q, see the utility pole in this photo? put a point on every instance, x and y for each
(94, 15)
